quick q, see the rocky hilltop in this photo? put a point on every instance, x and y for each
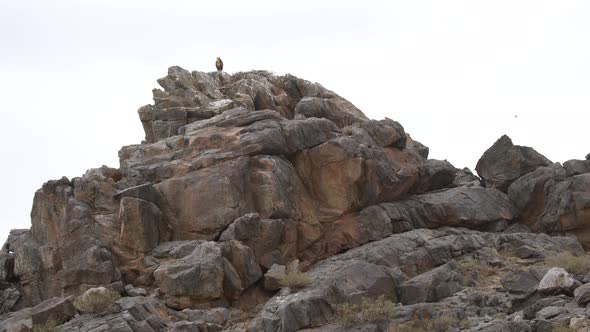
(263, 203)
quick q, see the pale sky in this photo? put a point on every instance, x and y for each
(453, 73)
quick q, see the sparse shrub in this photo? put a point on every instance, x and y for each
(476, 272)
(295, 280)
(563, 329)
(439, 324)
(465, 324)
(347, 314)
(96, 302)
(49, 326)
(477, 267)
(370, 310)
(570, 262)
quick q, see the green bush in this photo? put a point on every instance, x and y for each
(370, 310)
(295, 280)
(96, 302)
(570, 262)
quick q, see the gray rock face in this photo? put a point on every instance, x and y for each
(505, 162)
(431, 286)
(57, 309)
(136, 314)
(199, 275)
(520, 282)
(582, 294)
(242, 259)
(202, 272)
(142, 224)
(272, 278)
(273, 241)
(434, 175)
(576, 167)
(552, 202)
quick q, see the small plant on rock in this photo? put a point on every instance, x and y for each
(49, 326)
(96, 302)
(295, 280)
(570, 262)
(370, 310)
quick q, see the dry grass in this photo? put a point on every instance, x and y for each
(439, 324)
(96, 302)
(49, 326)
(295, 280)
(563, 329)
(370, 310)
(570, 262)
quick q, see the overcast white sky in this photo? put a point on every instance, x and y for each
(453, 73)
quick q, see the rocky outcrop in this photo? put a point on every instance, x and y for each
(247, 181)
(551, 201)
(505, 162)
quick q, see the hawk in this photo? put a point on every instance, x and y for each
(219, 64)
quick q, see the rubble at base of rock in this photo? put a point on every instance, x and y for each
(246, 180)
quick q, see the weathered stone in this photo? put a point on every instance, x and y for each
(142, 224)
(56, 309)
(505, 162)
(576, 167)
(136, 314)
(526, 251)
(242, 259)
(465, 177)
(582, 294)
(274, 241)
(135, 291)
(520, 282)
(337, 110)
(472, 207)
(552, 202)
(10, 300)
(557, 280)
(548, 312)
(434, 175)
(272, 278)
(331, 172)
(431, 286)
(199, 275)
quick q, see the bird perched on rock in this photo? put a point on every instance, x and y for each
(219, 64)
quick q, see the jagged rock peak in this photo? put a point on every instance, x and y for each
(191, 96)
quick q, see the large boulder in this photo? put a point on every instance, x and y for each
(550, 201)
(57, 309)
(505, 162)
(431, 286)
(332, 172)
(557, 280)
(520, 282)
(197, 277)
(273, 241)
